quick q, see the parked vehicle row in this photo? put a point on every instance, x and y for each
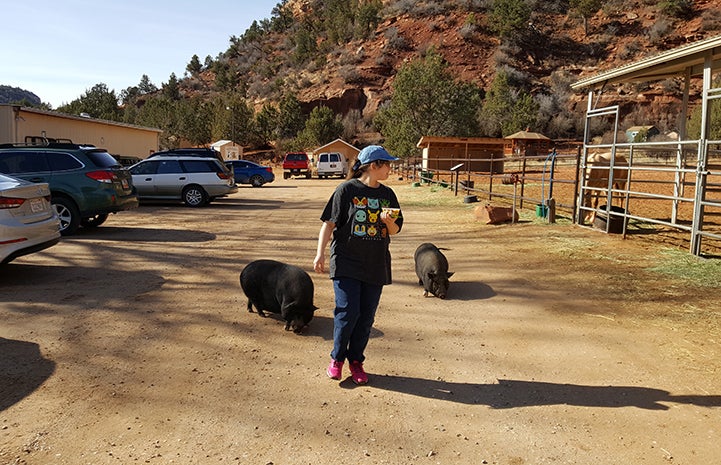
(328, 164)
(51, 187)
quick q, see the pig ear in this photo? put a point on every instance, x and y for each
(450, 273)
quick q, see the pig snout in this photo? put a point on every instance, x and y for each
(438, 284)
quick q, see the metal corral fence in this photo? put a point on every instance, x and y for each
(523, 181)
(658, 188)
(671, 190)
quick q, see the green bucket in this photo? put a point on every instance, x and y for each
(541, 211)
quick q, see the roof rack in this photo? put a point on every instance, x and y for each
(41, 141)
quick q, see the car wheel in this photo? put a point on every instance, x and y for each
(256, 180)
(194, 196)
(68, 214)
(94, 221)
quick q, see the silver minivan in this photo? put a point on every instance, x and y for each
(331, 164)
(196, 181)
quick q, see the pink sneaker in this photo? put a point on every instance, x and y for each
(335, 369)
(357, 373)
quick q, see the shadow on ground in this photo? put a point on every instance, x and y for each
(22, 370)
(514, 393)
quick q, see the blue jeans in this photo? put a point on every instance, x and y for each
(355, 310)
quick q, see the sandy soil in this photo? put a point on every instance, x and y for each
(557, 345)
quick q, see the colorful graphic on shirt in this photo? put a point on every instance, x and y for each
(367, 219)
(373, 216)
(360, 202)
(359, 230)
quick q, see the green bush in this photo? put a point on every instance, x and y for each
(677, 8)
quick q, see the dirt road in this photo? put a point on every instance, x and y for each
(557, 345)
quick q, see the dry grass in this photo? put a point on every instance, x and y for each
(688, 268)
(565, 241)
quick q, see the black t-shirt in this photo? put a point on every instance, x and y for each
(359, 248)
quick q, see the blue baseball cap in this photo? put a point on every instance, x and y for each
(373, 153)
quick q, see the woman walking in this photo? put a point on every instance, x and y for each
(358, 221)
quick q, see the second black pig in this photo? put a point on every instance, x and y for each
(432, 270)
(281, 288)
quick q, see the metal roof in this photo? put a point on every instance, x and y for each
(527, 135)
(426, 141)
(671, 63)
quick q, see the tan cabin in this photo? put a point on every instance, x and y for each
(340, 146)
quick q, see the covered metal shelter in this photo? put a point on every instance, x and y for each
(699, 60)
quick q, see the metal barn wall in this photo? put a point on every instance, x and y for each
(121, 139)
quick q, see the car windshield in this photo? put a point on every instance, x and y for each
(296, 157)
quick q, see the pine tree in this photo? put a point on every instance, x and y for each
(427, 101)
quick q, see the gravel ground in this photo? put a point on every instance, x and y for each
(557, 345)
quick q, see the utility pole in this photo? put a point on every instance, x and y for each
(232, 124)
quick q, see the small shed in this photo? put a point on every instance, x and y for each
(527, 144)
(481, 154)
(229, 150)
(340, 146)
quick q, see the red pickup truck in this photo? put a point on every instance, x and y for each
(296, 164)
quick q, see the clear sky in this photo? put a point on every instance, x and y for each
(61, 49)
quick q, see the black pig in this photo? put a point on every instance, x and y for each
(432, 270)
(279, 288)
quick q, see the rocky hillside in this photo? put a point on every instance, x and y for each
(9, 94)
(558, 48)
(353, 73)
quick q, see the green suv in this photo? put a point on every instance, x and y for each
(86, 182)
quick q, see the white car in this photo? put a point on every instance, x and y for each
(194, 180)
(28, 223)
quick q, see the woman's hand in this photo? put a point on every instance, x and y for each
(319, 263)
(390, 221)
(326, 230)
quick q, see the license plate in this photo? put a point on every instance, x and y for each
(37, 205)
(125, 184)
